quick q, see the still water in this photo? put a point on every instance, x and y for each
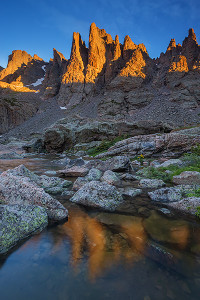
(100, 255)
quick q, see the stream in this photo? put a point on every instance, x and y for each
(101, 255)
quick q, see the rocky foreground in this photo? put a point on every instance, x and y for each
(110, 181)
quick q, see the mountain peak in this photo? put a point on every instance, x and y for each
(172, 45)
(191, 34)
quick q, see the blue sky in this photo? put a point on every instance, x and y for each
(38, 26)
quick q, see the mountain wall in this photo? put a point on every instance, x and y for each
(110, 80)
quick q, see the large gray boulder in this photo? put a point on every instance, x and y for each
(117, 164)
(51, 185)
(172, 194)
(168, 163)
(16, 189)
(171, 144)
(187, 205)
(166, 195)
(98, 194)
(18, 222)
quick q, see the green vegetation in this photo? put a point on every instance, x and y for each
(155, 173)
(185, 127)
(105, 145)
(197, 213)
(191, 162)
(12, 101)
(196, 149)
(195, 193)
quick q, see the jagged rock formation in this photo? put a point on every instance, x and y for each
(74, 75)
(113, 80)
(19, 83)
(54, 74)
(119, 80)
(23, 72)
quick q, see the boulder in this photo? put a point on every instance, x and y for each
(128, 177)
(187, 177)
(15, 189)
(49, 184)
(110, 177)
(118, 163)
(98, 194)
(172, 194)
(94, 174)
(170, 162)
(151, 183)
(166, 195)
(18, 222)
(73, 172)
(166, 144)
(187, 205)
(131, 192)
(35, 145)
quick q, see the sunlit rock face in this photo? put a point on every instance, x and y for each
(110, 80)
(17, 59)
(72, 82)
(23, 73)
(121, 79)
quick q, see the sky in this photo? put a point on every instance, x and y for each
(38, 26)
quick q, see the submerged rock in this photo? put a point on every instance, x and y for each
(18, 222)
(170, 231)
(132, 192)
(98, 194)
(128, 177)
(11, 155)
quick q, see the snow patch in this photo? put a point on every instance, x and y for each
(38, 82)
(63, 107)
(44, 68)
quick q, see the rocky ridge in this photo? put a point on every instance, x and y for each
(112, 80)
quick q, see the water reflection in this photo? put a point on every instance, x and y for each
(148, 255)
(106, 239)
